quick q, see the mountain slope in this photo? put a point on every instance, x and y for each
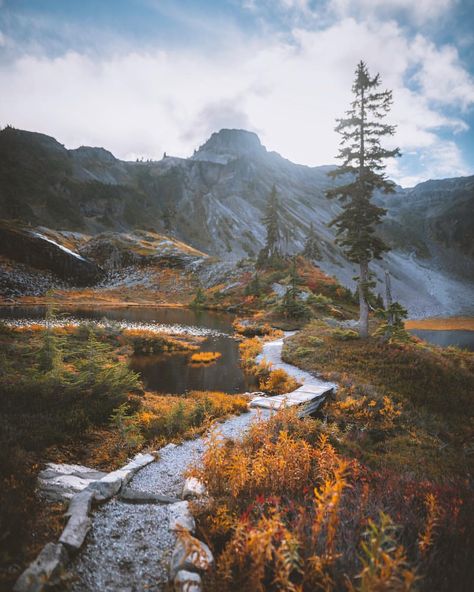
(214, 202)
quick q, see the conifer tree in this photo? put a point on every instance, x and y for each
(271, 252)
(362, 158)
(50, 355)
(311, 248)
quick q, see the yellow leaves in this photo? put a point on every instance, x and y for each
(426, 538)
(173, 416)
(221, 521)
(267, 551)
(278, 382)
(145, 418)
(384, 564)
(380, 413)
(276, 467)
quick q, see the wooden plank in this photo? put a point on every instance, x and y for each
(309, 395)
(316, 389)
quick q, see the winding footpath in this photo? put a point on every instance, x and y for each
(129, 546)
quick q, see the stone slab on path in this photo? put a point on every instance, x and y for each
(59, 482)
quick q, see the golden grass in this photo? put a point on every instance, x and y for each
(249, 350)
(176, 417)
(442, 324)
(205, 357)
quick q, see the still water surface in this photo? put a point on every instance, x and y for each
(168, 373)
(444, 338)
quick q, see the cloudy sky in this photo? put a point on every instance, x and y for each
(141, 77)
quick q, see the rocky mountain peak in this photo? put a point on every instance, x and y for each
(229, 144)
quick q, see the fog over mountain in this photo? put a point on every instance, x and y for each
(214, 202)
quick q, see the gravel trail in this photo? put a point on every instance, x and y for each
(129, 545)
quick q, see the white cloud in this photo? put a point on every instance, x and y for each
(442, 159)
(441, 75)
(290, 92)
(420, 11)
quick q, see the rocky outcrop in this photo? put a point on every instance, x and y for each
(37, 250)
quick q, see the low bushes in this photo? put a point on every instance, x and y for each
(174, 417)
(287, 511)
(249, 350)
(55, 388)
(278, 382)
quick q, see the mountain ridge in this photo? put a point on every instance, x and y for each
(215, 199)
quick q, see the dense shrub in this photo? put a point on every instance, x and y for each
(287, 511)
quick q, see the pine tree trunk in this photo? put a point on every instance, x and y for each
(388, 296)
(363, 304)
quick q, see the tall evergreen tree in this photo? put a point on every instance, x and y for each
(271, 252)
(362, 154)
(311, 248)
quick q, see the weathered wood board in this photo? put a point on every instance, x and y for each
(309, 396)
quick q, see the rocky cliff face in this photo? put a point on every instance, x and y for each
(214, 201)
(40, 251)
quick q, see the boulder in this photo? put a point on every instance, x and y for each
(181, 517)
(187, 581)
(45, 567)
(193, 488)
(190, 554)
(111, 484)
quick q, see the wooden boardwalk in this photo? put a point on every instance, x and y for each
(309, 397)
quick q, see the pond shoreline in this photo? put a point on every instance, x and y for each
(441, 324)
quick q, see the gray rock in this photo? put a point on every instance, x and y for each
(59, 482)
(109, 485)
(76, 530)
(80, 503)
(45, 567)
(187, 581)
(181, 517)
(190, 554)
(193, 488)
(136, 496)
(139, 461)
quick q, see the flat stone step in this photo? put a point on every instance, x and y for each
(134, 496)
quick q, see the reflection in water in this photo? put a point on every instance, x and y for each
(462, 339)
(175, 374)
(169, 373)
